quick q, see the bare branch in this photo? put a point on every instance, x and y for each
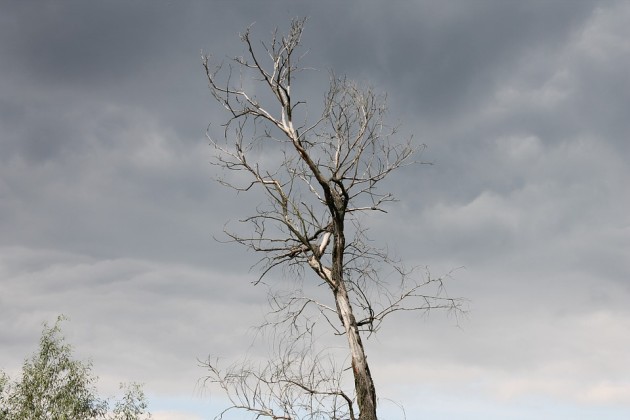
(318, 178)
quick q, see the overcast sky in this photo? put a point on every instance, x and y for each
(108, 206)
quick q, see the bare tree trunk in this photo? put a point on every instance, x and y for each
(363, 382)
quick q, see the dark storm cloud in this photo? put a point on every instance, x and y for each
(70, 57)
(438, 58)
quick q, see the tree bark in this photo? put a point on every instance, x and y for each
(363, 382)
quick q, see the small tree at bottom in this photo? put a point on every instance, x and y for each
(54, 386)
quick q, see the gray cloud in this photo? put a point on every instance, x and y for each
(108, 208)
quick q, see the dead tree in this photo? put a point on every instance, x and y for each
(318, 176)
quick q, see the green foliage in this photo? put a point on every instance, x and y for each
(133, 404)
(4, 391)
(54, 386)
